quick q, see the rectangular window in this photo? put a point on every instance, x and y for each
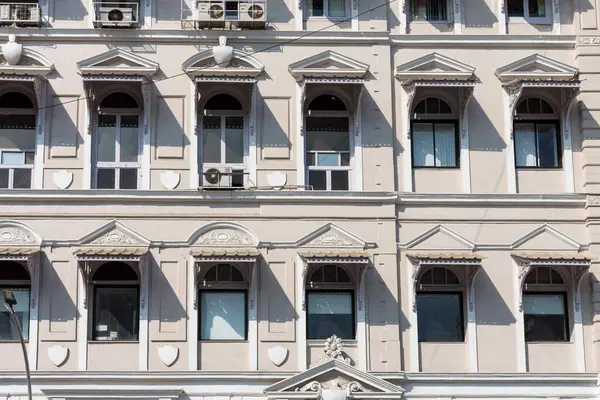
(328, 153)
(116, 313)
(536, 145)
(8, 330)
(429, 10)
(534, 10)
(16, 169)
(223, 315)
(434, 145)
(330, 313)
(545, 317)
(440, 317)
(117, 152)
(223, 142)
(327, 8)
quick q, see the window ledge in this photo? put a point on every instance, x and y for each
(223, 341)
(113, 341)
(551, 342)
(539, 169)
(444, 342)
(17, 341)
(443, 168)
(432, 22)
(321, 342)
(529, 21)
(326, 18)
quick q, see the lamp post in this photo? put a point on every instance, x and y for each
(10, 301)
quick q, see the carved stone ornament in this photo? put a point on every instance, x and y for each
(222, 53)
(331, 238)
(335, 389)
(13, 235)
(58, 354)
(170, 179)
(115, 237)
(278, 355)
(12, 51)
(589, 40)
(225, 236)
(411, 91)
(334, 350)
(62, 179)
(168, 354)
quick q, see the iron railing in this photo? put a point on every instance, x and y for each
(116, 14)
(20, 13)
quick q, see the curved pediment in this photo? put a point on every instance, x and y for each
(14, 233)
(118, 61)
(31, 63)
(223, 234)
(241, 64)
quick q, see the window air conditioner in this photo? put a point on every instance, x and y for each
(5, 12)
(216, 177)
(210, 11)
(254, 12)
(117, 15)
(26, 13)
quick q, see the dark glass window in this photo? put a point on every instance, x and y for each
(8, 330)
(15, 100)
(440, 317)
(327, 102)
(330, 313)
(545, 317)
(118, 100)
(223, 102)
(537, 144)
(116, 315)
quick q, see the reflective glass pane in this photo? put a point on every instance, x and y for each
(422, 141)
(345, 159)
(116, 314)
(318, 180)
(105, 178)
(445, 145)
(234, 140)
(547, 146)
(107, 137)
(330, 313)
(29, 158)
(310, 158)
(211, 135)
(327, 141)
(328, 159)
(8, 330)
(222, 315)
(545, 317)
(128, 178)
(439, 317)
(22, 179)
(4, 173)
(13, 158)
(339, 180)
(129, 138)
(316, 8)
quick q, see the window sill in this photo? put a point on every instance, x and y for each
(113, 341)
(326, 18)
(549, 342)
(223, 341)
(17, 341)
(445, 168)
(321, 342)
(432, 22)
(539, 168)
(529, 21)
(443, 342)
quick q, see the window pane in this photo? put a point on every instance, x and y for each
(318, 180)
(547, 146)
(4, 178)
(29, 158)
(515, 8)
(13, 158)
(223, 316)
(327, 133)
(107, 137)
(422, 139)
(525, 145)
(116, 313)
(537, 8)
(445, 145)
(8, 330)
(330, 314)
(22, 179)
(311, 159)
(212, 139)
(328, 159)
(345, 159)
(105, 178)
(545, 318)
(128, 178)
(337, 8)
(234, 140)
(439, 317)
(339, 180)
(315, 8)
(129, 138)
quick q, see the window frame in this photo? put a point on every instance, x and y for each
(12, 167)
(12, 285)
(449, 14)
(567, 325)
(434, 122)
(332, 290)
(559, 145)
(347, 11)
(246, 313)
(113, 285)
(525, 18)
(223, 115)
(461, 302)
(118, 165)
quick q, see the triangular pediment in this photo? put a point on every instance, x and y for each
(331, 236)
(328, 64)
(335, 374)
(546, 238)
(118, 61)
(114, 234)
(435, 66)
(223, 234)
(537, 67)
(241, 64)
(440, 238)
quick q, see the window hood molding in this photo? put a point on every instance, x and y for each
(124, 63)
(435, 66)
(328, 64)
(536, 68)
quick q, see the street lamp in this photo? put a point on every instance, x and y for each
(10, 301)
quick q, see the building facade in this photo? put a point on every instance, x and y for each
(320, 199)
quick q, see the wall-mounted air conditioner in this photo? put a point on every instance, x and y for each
(222, 177)
(254, 12)
(117, 16)
(210, 13)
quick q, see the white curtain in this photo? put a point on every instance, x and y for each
(222, 316)
(445, 145)
(337, 8)
(546, 144)
(525, 145)
(422, 138)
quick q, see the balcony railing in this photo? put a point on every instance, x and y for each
(116, 14)
(242, 14)
(20, 13)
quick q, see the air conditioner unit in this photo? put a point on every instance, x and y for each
(26, 13)
(210, 11)
(117, 15)
(5, 12)
(254, 12)
(216, 177)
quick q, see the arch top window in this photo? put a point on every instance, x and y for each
(432, 105)
(15, 277)
(118, 100)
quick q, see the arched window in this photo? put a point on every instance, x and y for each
(118, 143)
(537, 135)
(17, 140)
(545, 297)
(330, 307)
(328, 155)
(223, 139)
(14, 277)
(223, 304)
(440, 315)
(116, 297)
(434, 133)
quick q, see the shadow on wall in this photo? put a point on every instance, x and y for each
(483, 135)
(65, 130)
(165, 307)
(145, 48)
(169, 139)
(68, 11)
(56, 303)
(477, 14)
(376, 130)
(488, 297)
(274, 306)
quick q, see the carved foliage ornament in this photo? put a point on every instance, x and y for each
(334, 350)
(11, 235)
(225, 237)
(331, 238)
(115, 237)
(334, 385)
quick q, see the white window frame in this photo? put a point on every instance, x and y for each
(535, 119)
(11, 167)
(234, 166)
(350, 167)
(117, 165)
(547, 20)
(347, 9)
